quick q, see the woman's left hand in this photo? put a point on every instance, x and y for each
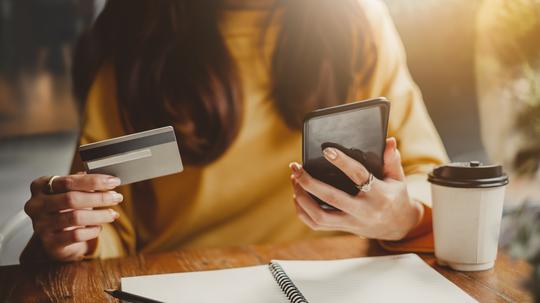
(386, 212)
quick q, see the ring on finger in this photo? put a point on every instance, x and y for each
(50, 189)
(366, 186)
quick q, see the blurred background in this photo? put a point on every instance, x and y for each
(39, 116)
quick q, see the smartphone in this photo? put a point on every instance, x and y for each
(357, 129)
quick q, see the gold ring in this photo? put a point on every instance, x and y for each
(50, 189)
(366, 186)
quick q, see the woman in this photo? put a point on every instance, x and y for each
(235, 78)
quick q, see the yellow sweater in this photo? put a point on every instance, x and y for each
(245, 196)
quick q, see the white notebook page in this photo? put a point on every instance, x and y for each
(246, 284)
(400, 278)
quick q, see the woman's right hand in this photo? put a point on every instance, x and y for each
(66, 220)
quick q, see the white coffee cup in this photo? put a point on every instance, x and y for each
(467, 210)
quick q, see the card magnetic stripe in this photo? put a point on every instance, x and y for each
(126, 146)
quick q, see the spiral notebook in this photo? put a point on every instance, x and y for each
(399, 278)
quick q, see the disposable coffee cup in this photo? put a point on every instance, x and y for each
(468, 202)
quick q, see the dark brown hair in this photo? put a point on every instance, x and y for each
(173, 68)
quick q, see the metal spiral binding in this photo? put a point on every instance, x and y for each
(286, 284)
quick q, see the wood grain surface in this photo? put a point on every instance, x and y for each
(85, 281)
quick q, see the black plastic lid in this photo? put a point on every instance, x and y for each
(471, 174)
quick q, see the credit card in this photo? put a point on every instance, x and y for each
(135, 157)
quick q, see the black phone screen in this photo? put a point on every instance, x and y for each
(357, 129)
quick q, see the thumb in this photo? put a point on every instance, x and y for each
(392, 161)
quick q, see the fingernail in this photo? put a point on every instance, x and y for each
(394, 143)
(330, 153)
(115, 214)
(117, 197)
(113, 182)
(296, 168)
(294, 197)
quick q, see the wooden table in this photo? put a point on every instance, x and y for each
(85, 281)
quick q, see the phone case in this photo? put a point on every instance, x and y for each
(323, 170)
